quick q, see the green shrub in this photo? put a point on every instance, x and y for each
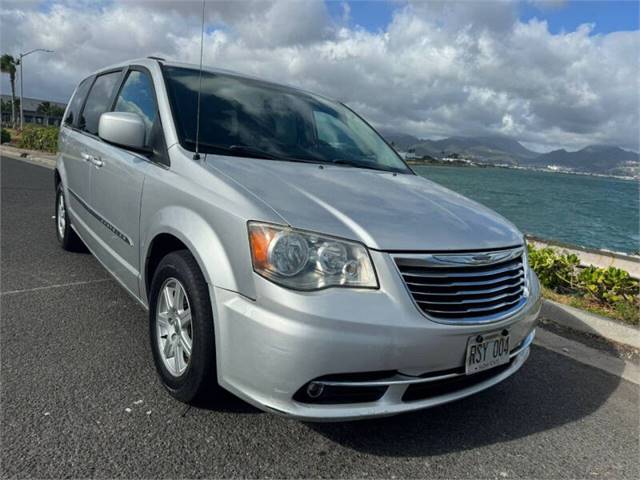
(608, 286)
(40, 138)
(5, 136)
(608, 290)
(556, 271)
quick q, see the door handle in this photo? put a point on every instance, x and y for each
(96, 161)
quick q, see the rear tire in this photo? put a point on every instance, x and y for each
(181, 328)
(67, 237)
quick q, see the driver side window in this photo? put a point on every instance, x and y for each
(137, 96)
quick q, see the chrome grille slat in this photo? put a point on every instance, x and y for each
(472, 310)
(453, 273)
(471, 292)
(472, 300)
(465, 284)
(467, 288)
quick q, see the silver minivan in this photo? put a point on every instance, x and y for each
(285, 252)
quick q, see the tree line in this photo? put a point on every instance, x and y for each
(9, 65)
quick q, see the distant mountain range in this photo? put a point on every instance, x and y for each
(501, 150)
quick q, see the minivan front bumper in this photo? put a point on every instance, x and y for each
(269, 349)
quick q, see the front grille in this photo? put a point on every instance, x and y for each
(459, 287)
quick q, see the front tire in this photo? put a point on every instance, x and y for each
(181, 327)
(67, 237)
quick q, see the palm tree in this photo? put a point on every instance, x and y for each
(44, 107)
(8, 65)
(6, 107)
(50, 110)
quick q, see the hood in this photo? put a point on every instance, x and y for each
(382, 210)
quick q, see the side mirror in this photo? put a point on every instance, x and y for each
(122, 128)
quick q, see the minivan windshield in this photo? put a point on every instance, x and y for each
(250, 118)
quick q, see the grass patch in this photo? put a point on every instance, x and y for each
(623, 311)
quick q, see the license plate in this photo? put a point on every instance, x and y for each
(486, 351)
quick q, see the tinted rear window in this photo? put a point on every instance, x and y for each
(98, 101)
(76, 102)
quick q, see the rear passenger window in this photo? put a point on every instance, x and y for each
(98, 101)
(137, 96)
(76, 102)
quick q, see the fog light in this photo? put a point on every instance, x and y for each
(314, 390)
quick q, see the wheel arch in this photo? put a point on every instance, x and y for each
(60, 175)
(160, 247)
(56, 179)
(175, 228)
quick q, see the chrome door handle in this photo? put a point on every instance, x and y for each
(96, 161)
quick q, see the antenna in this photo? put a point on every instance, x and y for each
(196, 156)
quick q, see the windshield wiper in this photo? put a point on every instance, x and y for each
(255, 152)
(356, 164)
(252, 152)
(239, 150)
(248, 151)
(259, 153)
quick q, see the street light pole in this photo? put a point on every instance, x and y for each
(22, 55)
(21, 88)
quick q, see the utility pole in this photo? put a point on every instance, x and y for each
(22, 55)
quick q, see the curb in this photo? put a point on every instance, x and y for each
(597, 358)
(30, 156)
(590, 323)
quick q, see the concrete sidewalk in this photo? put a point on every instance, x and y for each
(37, 157)
(591, 324)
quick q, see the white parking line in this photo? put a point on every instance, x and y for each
(59, 285)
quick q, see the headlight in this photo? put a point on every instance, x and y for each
(308, 261)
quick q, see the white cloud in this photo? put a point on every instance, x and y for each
(439, 68)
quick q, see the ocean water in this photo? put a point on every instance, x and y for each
(593, 212)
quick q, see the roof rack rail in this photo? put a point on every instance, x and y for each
(160, 59)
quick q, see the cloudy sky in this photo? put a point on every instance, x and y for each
(550, 74)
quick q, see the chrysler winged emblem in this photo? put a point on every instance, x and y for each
(481, 258)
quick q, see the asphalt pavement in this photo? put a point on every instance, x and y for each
(80, 397)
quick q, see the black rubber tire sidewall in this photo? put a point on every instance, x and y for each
(70, 241)
(200, 375)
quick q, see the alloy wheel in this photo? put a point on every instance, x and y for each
(174, 327)
(62, 215)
